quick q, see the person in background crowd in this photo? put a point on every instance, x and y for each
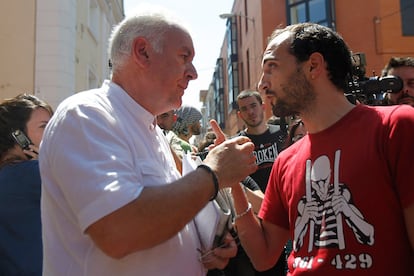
(318, 189)
(273, 120)
(20, 185)
(281, 122)
(267, 138)
(269, 141)
(296, 132)
(186, 125)
(253, 190)
(165, 121)
(402, 67)
(255, 196)
(113, 202)
(208, 140)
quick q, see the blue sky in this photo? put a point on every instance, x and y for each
(207, 30)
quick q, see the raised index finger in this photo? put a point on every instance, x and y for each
(220, 136)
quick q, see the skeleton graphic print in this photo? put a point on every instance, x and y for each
(340, 193)
(325, 206)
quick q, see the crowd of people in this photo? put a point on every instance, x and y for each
(96, 186)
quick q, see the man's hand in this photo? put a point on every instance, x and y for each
(232, 160)
(220, 136)
(219, 257)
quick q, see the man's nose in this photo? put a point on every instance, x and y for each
(263, 85)
(192, 72)
(405, 90)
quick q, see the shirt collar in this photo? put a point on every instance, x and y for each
(131, 106)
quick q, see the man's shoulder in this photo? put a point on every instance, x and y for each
(271, 132)
(388, 114)
(270, 129)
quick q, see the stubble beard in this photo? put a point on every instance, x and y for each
(253, 125)
(298, 96)
(406, 99)
(195, 130)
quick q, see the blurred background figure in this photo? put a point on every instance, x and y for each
(186, 125)
(268, 140)
(402, 67)
(296, 132)
(280, 122)
(166, 121)
(23, 117)
(207, 140)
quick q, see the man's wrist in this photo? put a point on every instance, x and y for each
(214, 177)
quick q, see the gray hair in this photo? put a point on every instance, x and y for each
(150, 22)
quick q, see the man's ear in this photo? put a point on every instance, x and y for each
(316, 64)
(140, 51)
(239, 114)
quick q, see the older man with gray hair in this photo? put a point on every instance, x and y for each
(113, 202)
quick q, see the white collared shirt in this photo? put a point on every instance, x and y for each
(98, 152)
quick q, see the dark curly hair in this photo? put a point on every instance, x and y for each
(308, 38)
(14, 114)
(396, 62)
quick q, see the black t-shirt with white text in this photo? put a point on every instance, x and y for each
(267, 147)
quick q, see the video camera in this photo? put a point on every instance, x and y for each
(369, 90)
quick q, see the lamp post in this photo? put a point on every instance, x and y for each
(231, 15)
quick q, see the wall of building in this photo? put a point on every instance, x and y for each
(94, 25)
(17, 36)
(389, 39)
(375, 29)
(372, 27)
(55, 48)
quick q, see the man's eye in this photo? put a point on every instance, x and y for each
(272, 65)
(269, 66)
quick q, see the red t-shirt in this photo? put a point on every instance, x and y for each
(341, 193)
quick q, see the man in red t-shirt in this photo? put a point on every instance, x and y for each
(344, 193)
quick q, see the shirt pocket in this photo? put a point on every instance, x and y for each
(153, 173)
